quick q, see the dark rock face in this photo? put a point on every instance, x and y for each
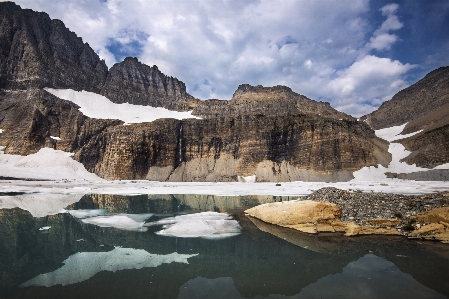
(29, 117)
(417, 100)
(429, 149)
(38, 52)
(136, 83)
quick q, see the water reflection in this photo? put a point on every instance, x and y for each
(260, 262)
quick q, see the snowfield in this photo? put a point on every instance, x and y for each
(46, 164)
(97, 106)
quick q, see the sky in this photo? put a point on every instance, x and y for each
(354, 54)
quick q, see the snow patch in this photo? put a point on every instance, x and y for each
(40, 204)
(83, 265)
(97, 106)
(45, 228)
(46, 164)
(2, 149)
(55, 138)
(442, 166)
(1, 131)
(397, 151)
(247, 179)
(209, 225)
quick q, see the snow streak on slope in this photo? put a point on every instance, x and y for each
(46, 164)
(83, 265)
(397, 152)
(97, 106)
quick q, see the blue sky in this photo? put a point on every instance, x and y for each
(354, 54)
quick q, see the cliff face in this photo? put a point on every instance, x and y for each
(221, 149)
(29, 118)
(271, 133)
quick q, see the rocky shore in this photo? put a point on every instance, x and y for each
(357, 213)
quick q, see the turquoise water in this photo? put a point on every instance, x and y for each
(69, 258)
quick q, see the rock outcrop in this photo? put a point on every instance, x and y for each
(329, 209)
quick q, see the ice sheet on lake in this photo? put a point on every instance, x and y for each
(97, 106)
(46, 164)
(131, 222)
(83, 265)
(210, 225)
(40, 204)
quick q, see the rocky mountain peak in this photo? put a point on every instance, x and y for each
(131, 81)
(37, 52)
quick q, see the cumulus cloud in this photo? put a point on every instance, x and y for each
(382, 39)
(370, 79)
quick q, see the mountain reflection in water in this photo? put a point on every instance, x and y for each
(263, 260)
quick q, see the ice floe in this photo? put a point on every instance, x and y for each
(131, 222)
(83, 265)
(97, 106)
(209, 225)
(39, 204)
(100, 217)
(44, 228)
(46, 164)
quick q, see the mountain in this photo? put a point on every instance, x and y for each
(265, 133)
(424, 107)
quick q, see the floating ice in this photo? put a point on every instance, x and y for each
(83, 265)
(209, 225)
(86, 213)
(46, 164)
(39, 204)
(45, 228)
(132, 222)
(97, 106)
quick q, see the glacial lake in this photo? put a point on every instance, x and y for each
(111, 246)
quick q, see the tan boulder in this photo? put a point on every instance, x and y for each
(295, 212)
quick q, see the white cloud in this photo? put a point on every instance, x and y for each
(370, 79)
